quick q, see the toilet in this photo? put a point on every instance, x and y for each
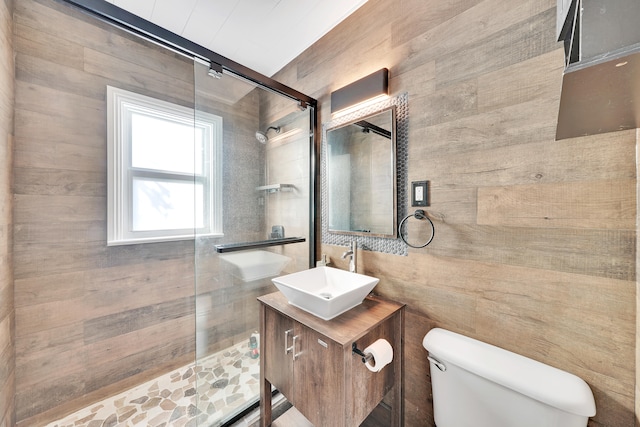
(476, 384)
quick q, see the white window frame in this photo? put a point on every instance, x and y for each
(120, 105)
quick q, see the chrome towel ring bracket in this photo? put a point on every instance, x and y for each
(418, 214)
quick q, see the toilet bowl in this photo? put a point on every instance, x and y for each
(476, 384)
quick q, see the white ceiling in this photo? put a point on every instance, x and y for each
(263, 35)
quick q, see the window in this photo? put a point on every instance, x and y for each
(164, 170)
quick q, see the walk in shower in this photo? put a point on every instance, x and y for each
(157, 197)
(266, 231)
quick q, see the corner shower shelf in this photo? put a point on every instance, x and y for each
(232, 247)
(274, 188)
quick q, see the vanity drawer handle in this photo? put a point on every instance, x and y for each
(295, 355)
(287, 349)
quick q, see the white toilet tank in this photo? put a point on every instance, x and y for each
(476, 384)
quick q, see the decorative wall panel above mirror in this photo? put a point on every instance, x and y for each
(355, 210)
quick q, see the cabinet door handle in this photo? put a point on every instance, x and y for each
(287, 349)
(295, 355)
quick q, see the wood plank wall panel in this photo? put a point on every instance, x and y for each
(535, 247)
(75, 296)
(7, 310)
(637, 365)
(92, 320)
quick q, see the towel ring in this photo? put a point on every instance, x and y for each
(418, 214)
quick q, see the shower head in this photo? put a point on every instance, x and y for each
(262, 136)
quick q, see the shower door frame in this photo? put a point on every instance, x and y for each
(134, 24)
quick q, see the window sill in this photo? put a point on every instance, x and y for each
(136, 241)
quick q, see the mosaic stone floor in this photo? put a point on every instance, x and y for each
(211, 392)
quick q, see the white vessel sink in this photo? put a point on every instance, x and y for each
(325, 292)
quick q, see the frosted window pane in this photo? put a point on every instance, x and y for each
(162, 144)
(166, 205)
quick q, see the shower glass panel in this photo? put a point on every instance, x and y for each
(260, 194)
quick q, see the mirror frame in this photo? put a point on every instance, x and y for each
(394, 174)
(369, 243)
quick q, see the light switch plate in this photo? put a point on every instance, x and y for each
(420, 193)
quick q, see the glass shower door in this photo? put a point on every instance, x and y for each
(255, 197)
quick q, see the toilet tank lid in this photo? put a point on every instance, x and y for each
(541, 382)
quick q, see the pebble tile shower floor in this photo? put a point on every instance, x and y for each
(215, 389)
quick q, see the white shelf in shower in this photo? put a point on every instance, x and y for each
(274, 188)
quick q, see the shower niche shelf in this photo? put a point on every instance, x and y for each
(275, 188)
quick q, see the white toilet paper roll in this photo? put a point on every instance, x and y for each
(382, 353)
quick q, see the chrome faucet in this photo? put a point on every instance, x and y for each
(353, 254)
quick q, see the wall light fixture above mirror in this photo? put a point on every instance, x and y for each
(368, 90)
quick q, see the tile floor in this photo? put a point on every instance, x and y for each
(207, 394)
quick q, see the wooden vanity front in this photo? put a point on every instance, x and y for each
(310, 361)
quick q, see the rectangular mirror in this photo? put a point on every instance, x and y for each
(361, 176)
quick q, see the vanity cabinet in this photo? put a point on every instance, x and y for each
(310, 361)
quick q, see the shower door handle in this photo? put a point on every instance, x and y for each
(287, 349)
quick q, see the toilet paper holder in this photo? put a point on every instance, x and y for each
(365, 357)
